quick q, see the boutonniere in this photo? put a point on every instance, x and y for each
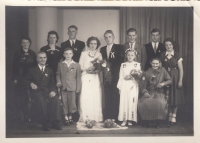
(108, 69)
(26, 53)
(112, 55)
(46, 74)
(159, 51)
(52, 52)
(165, 59)
(72, 68)
(75, 49)
(143, 78)
(124, 65)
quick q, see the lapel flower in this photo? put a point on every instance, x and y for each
(52, 52)
(108, 69)
(124, 65)
(104, 65)
(75, 49)
(46, 74)
(143, 78)
(112, 55)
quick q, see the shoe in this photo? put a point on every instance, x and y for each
(46, 127)
(124, 123)
(129, 123)
(58, 125)
(67, 123)
(71, 121)
(173, 121)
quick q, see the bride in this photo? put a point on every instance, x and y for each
(90, 103)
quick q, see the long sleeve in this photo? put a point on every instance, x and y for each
(119, 84)
(81, 61)
(58, 75)
(78, 79)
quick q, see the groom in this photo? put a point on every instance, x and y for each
(114, 54)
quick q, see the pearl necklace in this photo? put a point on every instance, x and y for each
(92, 55)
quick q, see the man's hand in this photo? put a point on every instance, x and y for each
(180, 84)
(15, 82)
(59, 84)
(33, 86)
(128, 77)
(52, 94)
(160, 85)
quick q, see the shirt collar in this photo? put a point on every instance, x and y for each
(74, 40)
(68, 64)
(131, 44)
(153, 43)
(110, 46)
(41, 67)
(24, 51)
(170, 53)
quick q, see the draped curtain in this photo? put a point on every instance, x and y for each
(173, 22)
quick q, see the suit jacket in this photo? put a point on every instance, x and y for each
(69, 77)
(45, 81)
(141, 53)
(78, 48)
(118, 52)
(151, 54)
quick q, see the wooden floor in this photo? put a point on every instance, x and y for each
(26, 130)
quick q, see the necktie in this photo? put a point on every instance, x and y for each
(154, 48)
(72, 44)
(108, 51)
(132, 46)
(42, 69)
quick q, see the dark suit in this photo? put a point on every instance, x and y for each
(141, 56)
(111, 90)
(151, 54)
(78, 48)
(48, 108)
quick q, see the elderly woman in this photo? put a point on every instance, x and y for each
(23, 59)
(172, 62)
(152, 104)
(52, 51)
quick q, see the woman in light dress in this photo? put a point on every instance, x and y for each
(129, 89)
(90, 103)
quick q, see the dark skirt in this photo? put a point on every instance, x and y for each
(153, 108)
(176, 96)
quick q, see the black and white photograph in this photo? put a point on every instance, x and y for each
(99, 71)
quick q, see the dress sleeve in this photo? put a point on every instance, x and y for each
(179, 58)
(81, 61)
(119, 84)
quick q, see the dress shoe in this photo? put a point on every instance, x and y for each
(58, 125)
(71, 121)
(124, 123)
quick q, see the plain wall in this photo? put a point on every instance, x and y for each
(90, 22)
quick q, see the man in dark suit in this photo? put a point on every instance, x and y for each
(73, 43)
(154, 48)
(139, 49)
(41, 80)
(114, 54)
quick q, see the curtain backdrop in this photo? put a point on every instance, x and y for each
(173, 22)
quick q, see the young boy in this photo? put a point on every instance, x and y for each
(69, 79)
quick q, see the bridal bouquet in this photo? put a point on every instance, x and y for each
(103, 66)
(109, 123)
(90, 123)
(136, 74)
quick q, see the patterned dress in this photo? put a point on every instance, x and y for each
(171, 65)
(129, 90)
(154, 107)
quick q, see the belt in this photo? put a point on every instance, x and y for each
(169, 69)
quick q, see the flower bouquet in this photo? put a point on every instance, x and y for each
(109, 123)
(90, 123)
(136, 74)
(103, 66)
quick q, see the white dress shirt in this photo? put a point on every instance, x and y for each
(73, 41)
(153, 44)
(68, 64)
(133, 45)
(41, 67)
(108, 49)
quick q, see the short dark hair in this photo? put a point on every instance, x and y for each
(41, 52)
(93, 38)
(25, 38)
(155, 30)
(73, 26)
(169, 40)
(68, 49)
(109, 31)
(52, 32)
(158, 59)
(131, 30)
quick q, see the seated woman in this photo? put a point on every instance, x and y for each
(152, 103)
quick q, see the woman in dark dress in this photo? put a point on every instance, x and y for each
(152, 105)
(172, 62)
(23, 60)
(53, 52)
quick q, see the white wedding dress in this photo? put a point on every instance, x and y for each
(90, 102)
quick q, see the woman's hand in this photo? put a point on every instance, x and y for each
(160, 85)
(180, 84)
(128, 77)
(15, 82)
(33, 86)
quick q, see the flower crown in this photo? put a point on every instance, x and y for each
(131, 50)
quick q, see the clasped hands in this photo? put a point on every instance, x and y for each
(91, 70)
(128, 77)
(52, 94)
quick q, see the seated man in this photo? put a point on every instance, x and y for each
(41, 80)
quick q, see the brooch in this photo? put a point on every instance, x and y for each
(26, 53)
(75, 49)
(112, 54)
(52, 52)
(135, 65)
(46, 74)
(124, 65)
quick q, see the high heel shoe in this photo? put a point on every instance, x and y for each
(124, 123)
